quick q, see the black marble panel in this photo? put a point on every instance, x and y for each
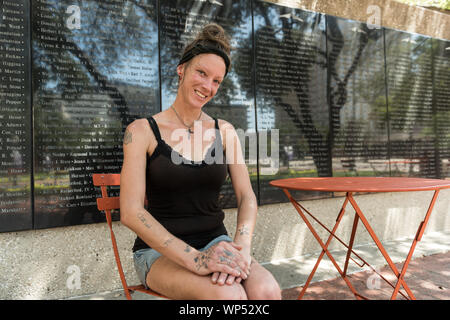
(95, 70)
(441, 103)
(410, 95)
(357, 94)
(15, 117)
(180, 21)
(291, 95)
(309, 95)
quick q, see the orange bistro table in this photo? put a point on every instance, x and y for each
(349, 185)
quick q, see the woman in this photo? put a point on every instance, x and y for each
(182, 249)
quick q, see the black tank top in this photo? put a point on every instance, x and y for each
(183, 195)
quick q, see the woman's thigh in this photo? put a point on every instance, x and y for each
(176, 282)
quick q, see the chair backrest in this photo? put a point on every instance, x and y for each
(105, 180)
(106, 204)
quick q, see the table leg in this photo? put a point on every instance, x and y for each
(338, 220)
(352, 238)
(417, 238)
(380, 247)
(324, 246)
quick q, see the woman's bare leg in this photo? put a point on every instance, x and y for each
(261, 285)
(175, 282)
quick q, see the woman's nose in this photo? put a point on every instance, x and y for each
(208, 86)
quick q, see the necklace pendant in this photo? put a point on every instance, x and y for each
(189, 133)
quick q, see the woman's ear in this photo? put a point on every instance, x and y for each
(180, 71)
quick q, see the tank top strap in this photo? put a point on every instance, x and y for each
(155, 128)
(216, 121)
(218, 135)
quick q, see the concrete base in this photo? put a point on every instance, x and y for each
(76, 261)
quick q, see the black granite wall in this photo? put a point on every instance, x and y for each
(341, 98)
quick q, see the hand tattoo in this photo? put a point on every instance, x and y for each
(225, 260)
(203, 258)
(228, 253)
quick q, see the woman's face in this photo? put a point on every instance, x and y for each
(200, 79)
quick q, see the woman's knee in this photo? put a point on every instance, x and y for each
(227, 292)
(267, 290)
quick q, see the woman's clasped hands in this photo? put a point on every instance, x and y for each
(225, 261)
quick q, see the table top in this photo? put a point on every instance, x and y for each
(361, 184)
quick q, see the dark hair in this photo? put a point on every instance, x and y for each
(211, 39)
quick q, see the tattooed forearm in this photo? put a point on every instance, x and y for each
(128, 137)
(187, 249)
(141, 217)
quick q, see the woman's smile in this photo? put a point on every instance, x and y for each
(200, 94)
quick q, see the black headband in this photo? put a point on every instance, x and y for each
(201, 48)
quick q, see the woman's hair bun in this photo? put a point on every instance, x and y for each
(214, 33)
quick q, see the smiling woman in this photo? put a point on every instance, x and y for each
(182, 249)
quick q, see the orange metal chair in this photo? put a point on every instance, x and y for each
(106, 204)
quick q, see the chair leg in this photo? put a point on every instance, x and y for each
(117, 257)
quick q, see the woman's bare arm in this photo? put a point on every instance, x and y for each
(246, 199)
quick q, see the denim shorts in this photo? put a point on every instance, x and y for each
(144, 258)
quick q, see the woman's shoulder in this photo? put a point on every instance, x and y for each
(138, 125)
(141, 128)
(143, 123)
(225, 124)
(226, 127)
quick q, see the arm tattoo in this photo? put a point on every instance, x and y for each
(167, 242)
(127, 138)
(243, 230)
(188, 249)
(141, 217)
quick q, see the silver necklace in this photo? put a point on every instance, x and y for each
(184, 124)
